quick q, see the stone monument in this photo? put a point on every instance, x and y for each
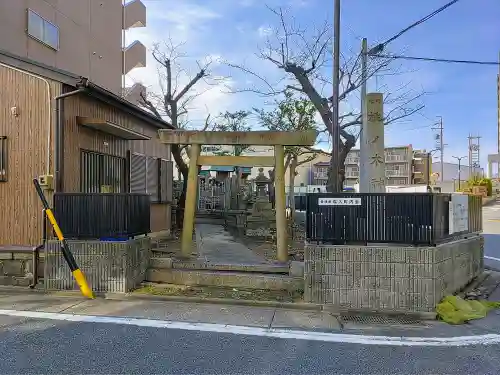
(372, 158)
(261, 221)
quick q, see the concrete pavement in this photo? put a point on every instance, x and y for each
(63, 334)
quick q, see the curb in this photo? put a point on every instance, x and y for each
(475, 283)
(217, 301)
(160, 298)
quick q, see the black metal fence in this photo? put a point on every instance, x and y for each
(102, 216)
(404, 218)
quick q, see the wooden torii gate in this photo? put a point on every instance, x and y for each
(253, 138)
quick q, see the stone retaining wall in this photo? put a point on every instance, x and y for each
(383, 277)
(108, 266)
(16, 267)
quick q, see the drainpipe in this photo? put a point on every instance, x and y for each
(49, 115)
(59, 141)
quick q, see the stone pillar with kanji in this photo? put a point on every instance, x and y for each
(373, 164)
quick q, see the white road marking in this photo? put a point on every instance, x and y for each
(490, 339)
(491, 258)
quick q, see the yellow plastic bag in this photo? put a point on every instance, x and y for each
(455, 310)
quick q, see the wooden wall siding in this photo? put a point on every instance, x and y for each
(21, 222)
(152, 147)
(160, 217)
(77, 137)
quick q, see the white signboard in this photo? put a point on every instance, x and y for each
(339, 201)
(459, 213)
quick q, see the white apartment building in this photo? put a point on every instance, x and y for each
(398, 166)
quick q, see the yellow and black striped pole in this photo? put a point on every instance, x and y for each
(68, 256)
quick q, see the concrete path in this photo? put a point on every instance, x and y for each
(216, 245)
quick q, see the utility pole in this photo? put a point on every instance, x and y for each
(363, 154)
(335, 160)
(474, 156)
(440, 144)
(459, 158)
(498, 116)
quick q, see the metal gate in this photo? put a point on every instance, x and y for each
(212, 195)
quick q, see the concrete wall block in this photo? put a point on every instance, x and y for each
(382, 269)
(22, 255)
(15, 280)
(401, 285)
(401, 278)
(7, 255)
(422, 285)
(347, 298)
(370, 282)
(396, 255)
(402, 270)
(386, 283)
(108, 266)
(368, 269)
(331, 253)
(427, 255)
(425, 270)
(344, 268)
(412, 255)
(12, 267)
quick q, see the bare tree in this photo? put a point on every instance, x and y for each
(174, 100)
(291, 114)
(233, 122)
(304, 54)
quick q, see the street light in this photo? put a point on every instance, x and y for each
(459, 158)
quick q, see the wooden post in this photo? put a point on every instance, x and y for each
(190, 204)
(279, 203)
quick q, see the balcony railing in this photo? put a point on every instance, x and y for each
(320, 175)
(102, 215)
(403, 218)
(395, 158)
(351, 160)
(351, 174)
(394, 173)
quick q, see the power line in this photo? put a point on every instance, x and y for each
(420, 21)
(431, 59)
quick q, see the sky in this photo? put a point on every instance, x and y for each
(234, 31)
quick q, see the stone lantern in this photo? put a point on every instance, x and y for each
(262, 184)
(261, 221)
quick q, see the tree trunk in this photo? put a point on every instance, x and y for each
(184, 169)
(291, 189)
(343, 155)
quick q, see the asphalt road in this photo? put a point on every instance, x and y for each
(58, 347)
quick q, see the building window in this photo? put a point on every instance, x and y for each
(166, 181)
(146, 177)
(43, 30)
(101, 173)
(3, 159)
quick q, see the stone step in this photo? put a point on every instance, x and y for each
(200, 265)
(225, 279)
(238, 295)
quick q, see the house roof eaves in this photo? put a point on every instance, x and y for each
(96, 91)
